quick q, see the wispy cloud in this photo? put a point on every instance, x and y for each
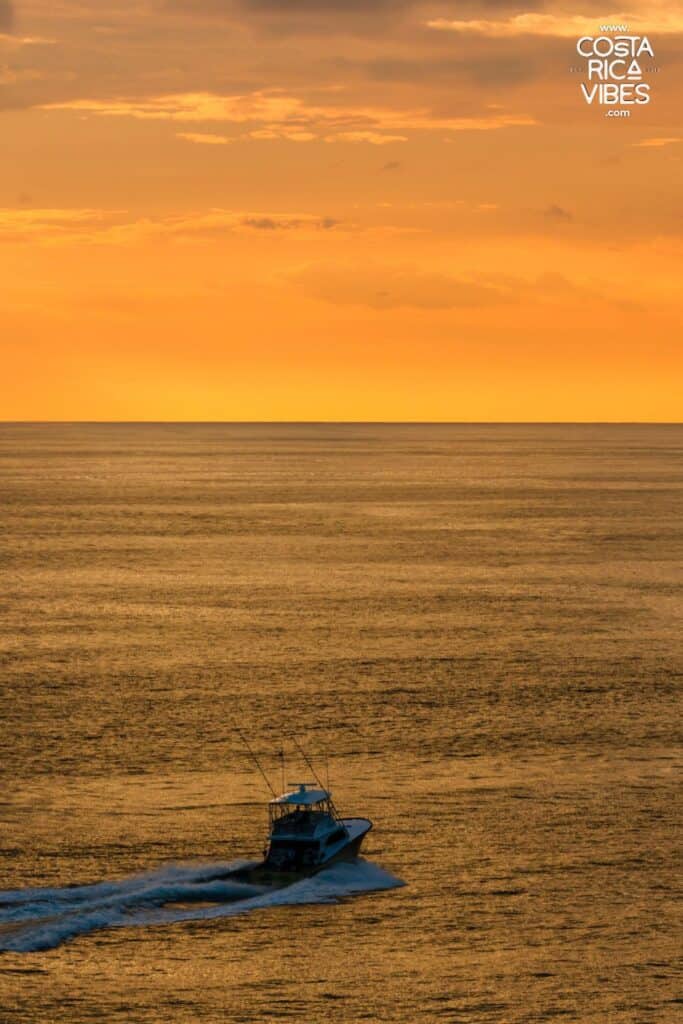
(375, 138)
(50, 225)
(557, 213)
(111, 227)
(383, 287)
(656, 19)
(281, 132)
(656, 143)
(204, 138)
(300, 17)
(279, 223)
(217, 224)
(15, 42)
(281, 115)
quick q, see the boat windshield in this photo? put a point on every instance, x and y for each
(294, 813)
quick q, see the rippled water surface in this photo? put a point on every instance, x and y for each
(479, 626)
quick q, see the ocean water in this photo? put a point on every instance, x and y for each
(475, 629)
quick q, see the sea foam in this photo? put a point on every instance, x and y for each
(40, 919)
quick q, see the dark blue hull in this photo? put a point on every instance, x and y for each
(267, 874)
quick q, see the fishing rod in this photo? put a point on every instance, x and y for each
(281, 755)
(317, 779)
(256, 762)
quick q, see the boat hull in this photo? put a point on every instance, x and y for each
(263, 874)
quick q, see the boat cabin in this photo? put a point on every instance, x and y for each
(304, 828)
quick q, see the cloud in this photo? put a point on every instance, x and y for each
(289, 134)
(219, 223)
(564, 25)
(335, 6)
(557, 213)
(287, 6)
(290, 117)
(489, 69)
(374, 138)
(306, 15)
(656, 143)
(27, 225)
(288, 224)
(6, 16)
(193, 106)
(395, 287)
(556, 289)
(204, 138)
(112, 227)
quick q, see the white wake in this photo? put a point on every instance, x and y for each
(40, 919)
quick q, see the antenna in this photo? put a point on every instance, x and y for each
(317, 779)
(307, 760)
(282, 766)
(256, 762)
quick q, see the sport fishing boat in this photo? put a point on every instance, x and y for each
(306, 834)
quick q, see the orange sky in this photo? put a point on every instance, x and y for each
(334, 209)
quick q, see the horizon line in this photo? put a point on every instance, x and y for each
(341, 423)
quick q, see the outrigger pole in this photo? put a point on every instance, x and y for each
(317, 779)
(257, 763)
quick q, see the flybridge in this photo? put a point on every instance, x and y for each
(303, 794)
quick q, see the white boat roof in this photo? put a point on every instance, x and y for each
(302, 795)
